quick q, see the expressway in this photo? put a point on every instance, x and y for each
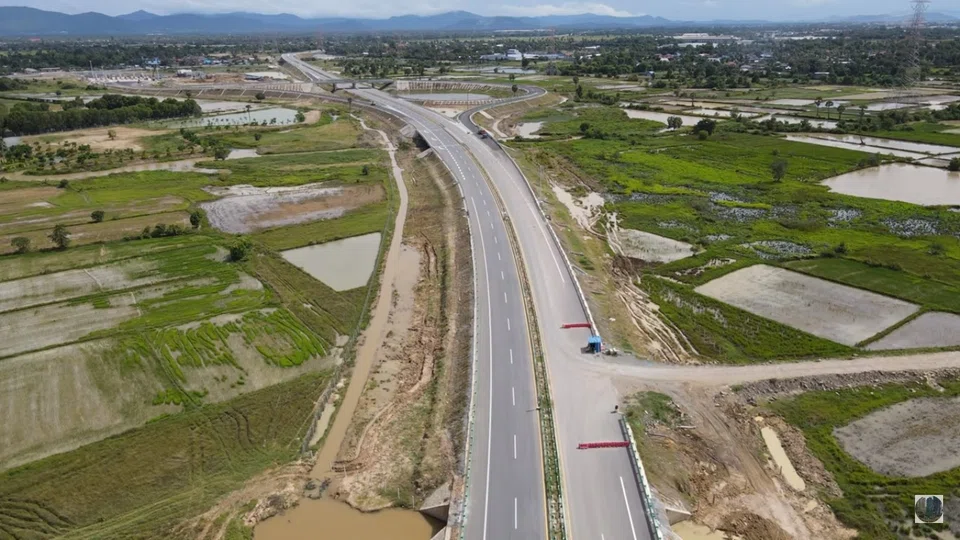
(505, 490)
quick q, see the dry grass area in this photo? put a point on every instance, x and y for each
(98, 138)
(405, 438)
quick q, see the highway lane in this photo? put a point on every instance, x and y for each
(602, 497)
(506, 497)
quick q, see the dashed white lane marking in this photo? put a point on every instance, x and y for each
(495, 241)
(501, 275)
(508, 323)
(515, 516)
(514, 446)
(513, 396)
(498, 256)
(511, 356)
(505, 298)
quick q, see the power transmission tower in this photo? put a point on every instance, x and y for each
(911, 71)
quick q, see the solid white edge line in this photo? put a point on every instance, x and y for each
(629, 514)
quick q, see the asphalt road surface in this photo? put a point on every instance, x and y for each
(506, 499)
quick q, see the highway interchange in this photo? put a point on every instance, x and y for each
(506, 489)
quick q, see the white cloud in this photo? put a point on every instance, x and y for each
(566, 8)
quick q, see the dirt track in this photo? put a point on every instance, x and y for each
(629, 368)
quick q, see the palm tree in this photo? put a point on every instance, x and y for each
(829, 104)
(840, 109)
(818, 101)
(248, 111)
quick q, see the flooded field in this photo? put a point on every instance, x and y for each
(452, 96)
(855, 146)
(322, 519)
(11, 141)
(528, 129)
(792, 102)
(887, 106)
(901, 182)
(914, 438)
(829, 310)
(342, 264)
(822, 124)
(779, 456)
(894, 144)
(243, 153)
(661, 116)
(280, 114)
(928, 330)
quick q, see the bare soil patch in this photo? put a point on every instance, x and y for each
(825, 309)
(914, 438)
(15, 200)
(648, 247)
(98, 138)
(928, 330)
(244, 208)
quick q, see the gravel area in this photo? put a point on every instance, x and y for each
(843, 314)
(914, 438)
(928, 330)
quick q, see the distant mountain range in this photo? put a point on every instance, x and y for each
(25, 21)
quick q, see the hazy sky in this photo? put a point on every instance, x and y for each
(673, 9)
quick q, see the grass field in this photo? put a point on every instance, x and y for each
(324, 135)
(720, 195)
(924, 132)
(877, 506)
(142, 483)
(145, 378)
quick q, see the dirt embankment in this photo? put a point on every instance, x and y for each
(713, 462)
(406, 436)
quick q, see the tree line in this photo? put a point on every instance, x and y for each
(30, 119)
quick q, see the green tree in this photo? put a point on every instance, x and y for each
(779, 169)
(64, 184)
(60, 236)
(240, 248)
(954, 164)
(112, 134)
(349, 103)
(21, 244)
(97, 216)
(579, 92)
(818, 101)
(260, 96)
(366, 170)
(840, 109)
(674, 122)
(829, 104)
(514, 88)
(196, 217)
(584, 127)
(299, 117)
(221, 153)
(706, 125)
(257, 136)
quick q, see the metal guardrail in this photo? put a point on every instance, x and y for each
(642, 480)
